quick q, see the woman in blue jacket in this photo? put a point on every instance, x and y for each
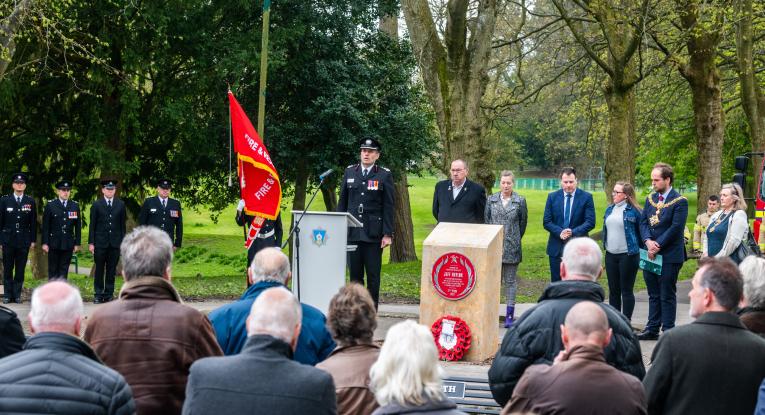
(621, 239)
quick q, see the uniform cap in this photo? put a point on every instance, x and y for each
(370, 143)
(20, 177)
(164, 183)
(64, 185)
(109, 183)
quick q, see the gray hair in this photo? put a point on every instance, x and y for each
(407, 371)
(146, 251)
(464, 163)
(753, 270)
(738, 195)
(582, 257)
(275, 312)
(55, 306)
(270, 264)
(508, 173)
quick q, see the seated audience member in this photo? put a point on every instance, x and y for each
(760, 408)
(148, 335)
(57, 372)
(406, 379)
(263, 378)
(352, 320)
(11, 334)
(536, 339)
(579, 381)
(752, 313)
(713, 365)
(271, 268)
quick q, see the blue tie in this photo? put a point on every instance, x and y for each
(567, 212)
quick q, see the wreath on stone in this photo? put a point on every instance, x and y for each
(452, 337)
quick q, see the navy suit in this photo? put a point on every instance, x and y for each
(668, 233)
(581, 223)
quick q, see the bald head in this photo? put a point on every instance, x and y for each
(56, 307)
(276, 312)
(586, 323)
(270, 264)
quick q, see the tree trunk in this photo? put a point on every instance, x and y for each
(402, 249)
(8, 28)
(704, 79)
(620, 146)
(752, 99)
(329, 193)
(38, 259)
(455, 75)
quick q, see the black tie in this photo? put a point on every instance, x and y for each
(109, 202)
(164, 203)
(64, 204)
(18, 200)
(365, 172)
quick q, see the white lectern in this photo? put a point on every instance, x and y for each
(323, 247)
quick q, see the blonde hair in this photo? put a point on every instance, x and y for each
(735, 190)
(407, 370)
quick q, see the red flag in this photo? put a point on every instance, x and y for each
(258, 179)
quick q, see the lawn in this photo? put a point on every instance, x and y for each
(211, 263)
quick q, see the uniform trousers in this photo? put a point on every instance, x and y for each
(106, 266)
(367, 257)
(14, 259)
(58, 263)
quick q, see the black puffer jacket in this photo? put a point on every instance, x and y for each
(11, 334)
(59, 373)
(535, 337)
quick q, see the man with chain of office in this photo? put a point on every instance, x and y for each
(661, 228)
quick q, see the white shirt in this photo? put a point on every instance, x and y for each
(457, 189)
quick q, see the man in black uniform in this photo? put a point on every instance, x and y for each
(270, 234)
(107, 228)
(163, 212)
(367, 194)
(18, 229)
(62, 226)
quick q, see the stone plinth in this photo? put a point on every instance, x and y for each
(482, 245)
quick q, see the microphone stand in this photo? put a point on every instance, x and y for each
(296, 232)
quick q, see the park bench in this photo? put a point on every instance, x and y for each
(472, 395)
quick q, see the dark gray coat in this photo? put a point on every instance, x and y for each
(712, 366)
(262, 379)
(513, 217)
(59, 373)
(430, 407)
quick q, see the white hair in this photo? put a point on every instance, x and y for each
(270, 264)
(582, 257)
(753, 270)
(146, 251)
(275, 312)
(407, 369)
(55, 305)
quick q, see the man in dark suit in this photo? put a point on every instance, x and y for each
(661, 227)
(270, 234)
(107, 229)
(163, 212)
(61, 230)
(18, 229)
(713, 365)
(459, 199)
(569, 213)
(367, 193)
(226, 385)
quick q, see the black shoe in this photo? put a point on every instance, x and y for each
(97, 301)
(18, 301)
(648, 335)
(6, 300)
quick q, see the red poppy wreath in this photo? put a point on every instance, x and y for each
(452, 337)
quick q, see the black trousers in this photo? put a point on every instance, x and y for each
(662, 297)
(106, 266)
(14, 259)
(621, 271)
(58, 263)
(367, 257)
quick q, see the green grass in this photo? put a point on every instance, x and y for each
(212, 262)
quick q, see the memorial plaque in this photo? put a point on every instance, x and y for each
(453, 276)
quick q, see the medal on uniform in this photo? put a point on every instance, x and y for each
(174, 214)
(372, 184)
(72, 215)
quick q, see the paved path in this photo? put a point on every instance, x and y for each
(390, 314)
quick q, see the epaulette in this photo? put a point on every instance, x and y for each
(351, 166)
(385, 168)
(52, 200)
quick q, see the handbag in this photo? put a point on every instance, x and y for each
(746, 248)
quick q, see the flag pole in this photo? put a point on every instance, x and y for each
(263, 70)
(230, 140)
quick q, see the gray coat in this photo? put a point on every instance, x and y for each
(262, 379)
(514, 218)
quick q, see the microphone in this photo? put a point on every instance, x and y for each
(326, 174)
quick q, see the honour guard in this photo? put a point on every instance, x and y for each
(270, 234)
(661, 228)
(107, 228)
(61, 230)
(367, 194)
(163, 212)
(18, 228)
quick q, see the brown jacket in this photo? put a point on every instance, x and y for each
(581, 384)
(349, 367)
(152, 339)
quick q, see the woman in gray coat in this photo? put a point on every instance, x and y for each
(508, 208)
